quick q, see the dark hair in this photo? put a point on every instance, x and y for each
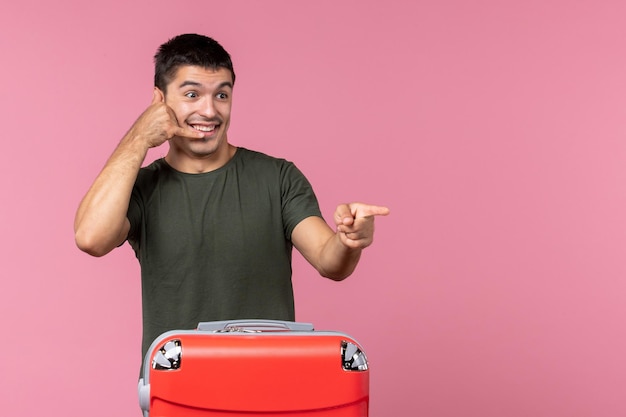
(188, 49)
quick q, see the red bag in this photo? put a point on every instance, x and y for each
(255, 367)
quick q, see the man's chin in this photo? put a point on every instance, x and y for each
(203, 148)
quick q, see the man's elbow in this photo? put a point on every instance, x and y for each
(90, 244)
(337, 275)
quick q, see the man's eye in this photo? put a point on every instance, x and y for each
(222, 96)
(191, 94)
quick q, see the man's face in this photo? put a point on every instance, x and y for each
(201, 98)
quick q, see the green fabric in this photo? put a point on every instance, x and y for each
(216, 246)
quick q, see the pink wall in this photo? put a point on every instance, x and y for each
(494, 131)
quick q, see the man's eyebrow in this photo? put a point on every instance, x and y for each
(197, 84)
(188, 82)
(225, 84)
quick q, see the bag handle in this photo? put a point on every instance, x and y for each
(253, 325)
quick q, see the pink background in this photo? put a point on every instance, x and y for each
(494, 130)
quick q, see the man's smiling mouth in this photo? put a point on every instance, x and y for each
(203, 128)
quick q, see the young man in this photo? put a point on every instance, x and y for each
(212, 225)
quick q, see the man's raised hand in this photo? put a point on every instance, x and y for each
(158, 123)
(355, 223)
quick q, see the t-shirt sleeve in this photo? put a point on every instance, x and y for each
(134, 214)
(298, 198)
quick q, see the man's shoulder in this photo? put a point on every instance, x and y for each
(156, 165)
(151, 172)
(250, 154)
(260, 159)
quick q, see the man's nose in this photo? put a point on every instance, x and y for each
(208, 107)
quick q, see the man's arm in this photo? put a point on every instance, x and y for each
(336, 254)
(101, 224)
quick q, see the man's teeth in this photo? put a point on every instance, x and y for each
(204, 128)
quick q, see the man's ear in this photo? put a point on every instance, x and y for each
(159, 93)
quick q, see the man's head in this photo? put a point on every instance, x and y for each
(188, 50)
(194, 76)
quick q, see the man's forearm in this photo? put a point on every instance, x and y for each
(338, 261)
(100, 223)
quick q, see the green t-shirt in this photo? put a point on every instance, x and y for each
(216, 246)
